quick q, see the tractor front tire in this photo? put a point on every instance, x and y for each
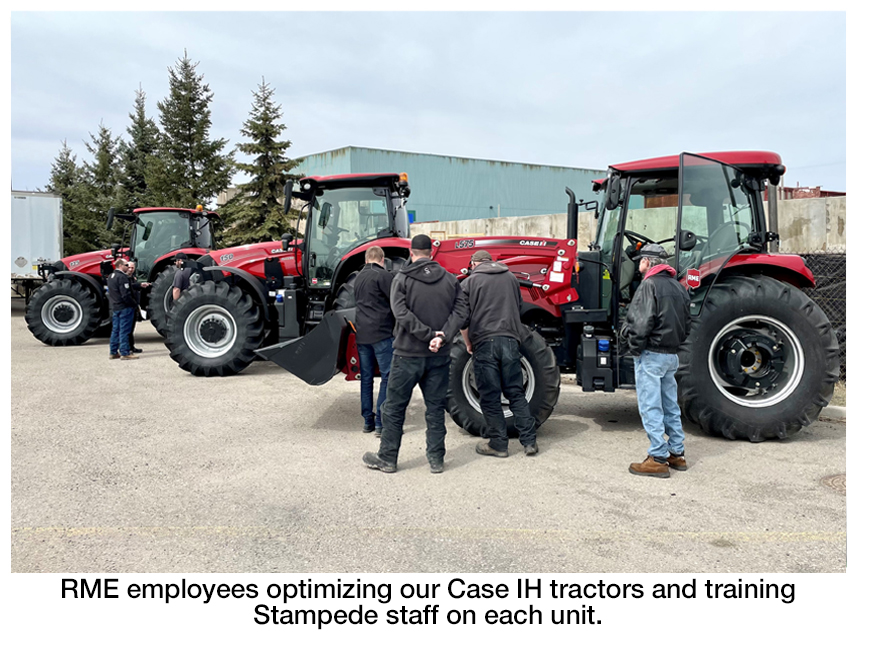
(63, 312)
(214, 330)
(541, 385)
(160, 300)
(760, 362)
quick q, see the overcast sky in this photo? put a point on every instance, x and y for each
(568, 89)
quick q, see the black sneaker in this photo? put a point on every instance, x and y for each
(531, 450)
(378, 431)
(487, 450)
(136, 350)
(372, 460)
(368, 429)
(436, 467)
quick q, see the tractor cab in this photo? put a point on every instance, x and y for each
(703, 209)
(343, 213)
(156, 232)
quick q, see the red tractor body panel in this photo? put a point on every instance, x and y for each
(87, 262)
(548, 262)
(790, 268)
(250, 257)
(383, 243)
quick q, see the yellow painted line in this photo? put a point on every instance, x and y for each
(725, 537)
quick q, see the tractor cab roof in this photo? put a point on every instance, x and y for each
(150, 209)
(741, 159)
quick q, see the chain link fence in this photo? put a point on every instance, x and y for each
(830, 273)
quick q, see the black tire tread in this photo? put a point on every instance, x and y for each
(63, 286)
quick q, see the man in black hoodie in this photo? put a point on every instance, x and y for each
(493, 337)
(374, 326)
(429, 309)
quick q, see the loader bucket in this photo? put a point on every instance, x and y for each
(314, 358)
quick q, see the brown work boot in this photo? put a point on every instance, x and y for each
(650, 467)
(115, 356)
(487, 450)
(677, 461)
(126, 357)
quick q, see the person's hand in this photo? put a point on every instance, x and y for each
(145, 284)
(469, 348)
(436, 343)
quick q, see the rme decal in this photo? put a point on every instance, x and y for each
(692, 278)
(226, 257)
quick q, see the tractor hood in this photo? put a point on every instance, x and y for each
(88, 262)
(251, 257)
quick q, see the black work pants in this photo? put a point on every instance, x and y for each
(496, 362)
(431, 374)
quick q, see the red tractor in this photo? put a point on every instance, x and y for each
(244, 298)
(761, 360)
(72, 306)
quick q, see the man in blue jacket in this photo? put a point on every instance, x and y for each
(429, 309)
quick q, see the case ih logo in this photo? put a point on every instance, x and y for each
(226, 257)
(692, 278)
(534, 243)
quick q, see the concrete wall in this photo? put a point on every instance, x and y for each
(807, 225)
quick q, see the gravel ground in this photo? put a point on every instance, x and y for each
(136, 466)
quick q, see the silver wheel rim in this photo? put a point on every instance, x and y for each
(54, 314)
(168, 300)
(788, 379)
(203, 319)
(470, 389)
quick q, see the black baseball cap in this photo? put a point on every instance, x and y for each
(652, 250)
(180, 255)
(422, 242)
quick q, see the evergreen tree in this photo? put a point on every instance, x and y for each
(255, 213)
(134, 155)
(83, 231)
(102, 178)
(189, 168)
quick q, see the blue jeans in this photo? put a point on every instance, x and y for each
(122, 325)
(431, 374)
(657, 394)
(371, 354)
(496, 362)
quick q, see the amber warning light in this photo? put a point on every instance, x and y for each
(404, 177)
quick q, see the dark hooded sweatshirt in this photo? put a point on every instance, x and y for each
(494, 298)
(425, 299)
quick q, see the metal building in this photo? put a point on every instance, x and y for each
(461, 188)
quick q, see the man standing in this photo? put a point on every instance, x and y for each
(122, 305)
(429, 308)
(135, 289)
(658, 322)
(493, 337)
(182, 278)
(374, 327)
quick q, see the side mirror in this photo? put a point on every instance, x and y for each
(286, 242)
(114, 248)
(110, 218)
(686, 240)
(147, 231)
(289, 188)
(324, 218)
(613, 199)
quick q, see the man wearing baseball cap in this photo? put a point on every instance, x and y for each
(493, 336)
(429, 309)
(182, 278)
(658, 322)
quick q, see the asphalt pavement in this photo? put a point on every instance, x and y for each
(137, 466)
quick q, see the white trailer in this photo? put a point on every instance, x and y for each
(37, 236)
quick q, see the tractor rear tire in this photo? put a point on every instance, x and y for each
(63, 312)
(160, 300)
(214, 330)
(760, 362)
(541, 383)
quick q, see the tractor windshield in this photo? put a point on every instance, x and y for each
(342, 219)
(157, 232)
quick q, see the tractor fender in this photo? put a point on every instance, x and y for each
(88, 281)
(250, 283)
